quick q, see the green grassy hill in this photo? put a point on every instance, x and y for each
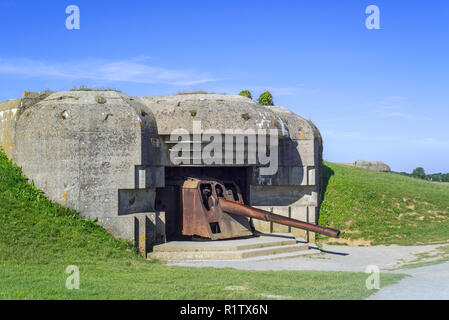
(374, 208)
(40, 239)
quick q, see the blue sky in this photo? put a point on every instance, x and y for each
(374, 94)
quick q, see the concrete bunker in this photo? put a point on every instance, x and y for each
(109, 156)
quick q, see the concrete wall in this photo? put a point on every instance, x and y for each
(8, 111)
(295, 189)
(88, 150)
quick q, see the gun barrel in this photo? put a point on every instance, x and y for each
(244, 210)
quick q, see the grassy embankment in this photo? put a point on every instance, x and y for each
(39, 239)
(373, 208)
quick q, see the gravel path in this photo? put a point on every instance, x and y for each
(431, 282)
(332, 258)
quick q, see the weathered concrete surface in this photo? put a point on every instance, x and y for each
(105, 153)
(215, 111)
(373, 165)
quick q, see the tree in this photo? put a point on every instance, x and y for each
(246, 93)
(265, 99)
(446, 177)
(419, 173)
(435, 177)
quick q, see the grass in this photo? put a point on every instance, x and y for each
(193, 92)
(143, 280)
(39, 239)
(428, 258)
(373, 208)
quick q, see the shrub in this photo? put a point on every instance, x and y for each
(265, 99)
(86, 88)
(246, 93)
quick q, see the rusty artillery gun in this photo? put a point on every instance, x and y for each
(215, 210)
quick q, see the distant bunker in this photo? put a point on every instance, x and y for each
(111, 157)
(373, 165)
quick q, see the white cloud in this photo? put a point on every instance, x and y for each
(390, 107)
(134, 70)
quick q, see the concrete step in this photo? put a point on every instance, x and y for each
(227, 255)
(259, 247)
(277, 256)
(226, 245)
(280, 256)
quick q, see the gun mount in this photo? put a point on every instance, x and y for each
(215, 210)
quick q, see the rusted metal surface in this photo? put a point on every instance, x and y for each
(202, 216)
(241, 209)
(214, 209)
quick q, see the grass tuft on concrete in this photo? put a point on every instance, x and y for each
(193, 92)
